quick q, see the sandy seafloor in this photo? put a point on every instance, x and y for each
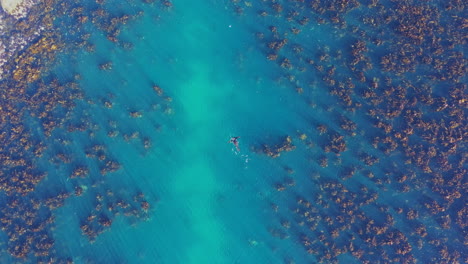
(211, 203)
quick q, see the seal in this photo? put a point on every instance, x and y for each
(235, 141)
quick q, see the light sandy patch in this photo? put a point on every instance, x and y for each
(10, 5)
(17, 8)
(196, 180)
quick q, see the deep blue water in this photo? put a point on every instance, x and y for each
(210, 203)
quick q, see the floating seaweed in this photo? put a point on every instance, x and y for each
(394, 66)
(30, 91)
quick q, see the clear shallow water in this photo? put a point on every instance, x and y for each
(210, 199)
(211, 204)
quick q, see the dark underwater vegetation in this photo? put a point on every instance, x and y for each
(229, 131)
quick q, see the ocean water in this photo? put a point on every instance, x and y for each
(208, 202)
(209, 197)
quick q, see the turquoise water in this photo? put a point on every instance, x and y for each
(210, 203)
(210, 199)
